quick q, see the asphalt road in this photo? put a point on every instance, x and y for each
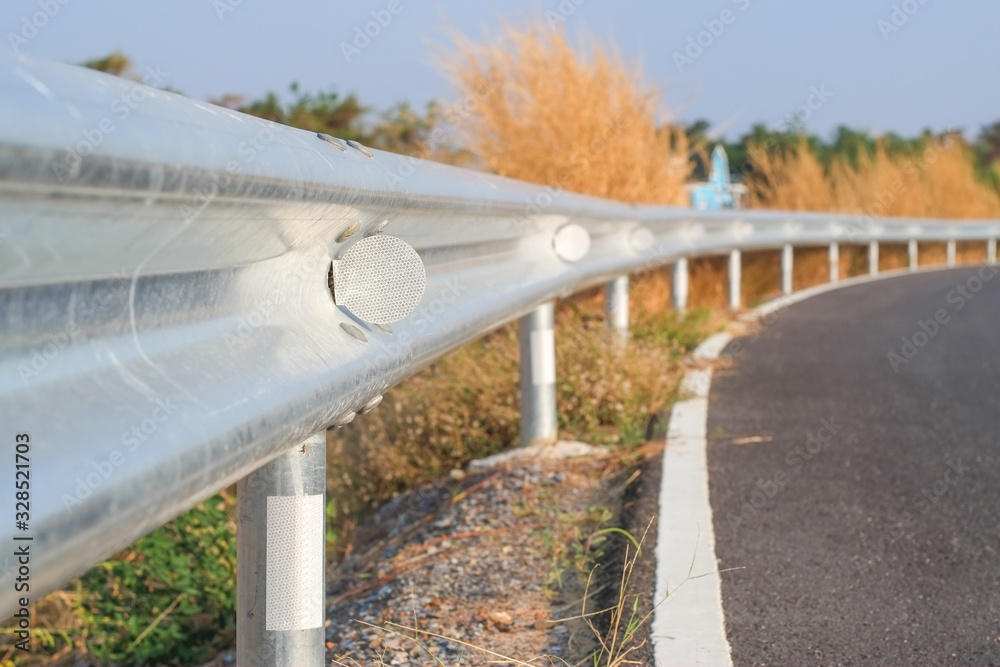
(860, 501)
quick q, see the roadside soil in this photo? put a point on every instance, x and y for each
(493, 567)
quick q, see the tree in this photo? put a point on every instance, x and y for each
(988, 144)
(116, 63)
(328, 113)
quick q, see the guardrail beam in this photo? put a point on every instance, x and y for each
(281, 559)
(537, 341)
(208, 247)
(787, 259)
(680, 285)
(735, 276)
(616, 307)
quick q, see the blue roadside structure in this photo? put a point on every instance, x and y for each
(719, 192)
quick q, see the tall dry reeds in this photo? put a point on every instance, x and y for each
(575, 118)
(939, 182)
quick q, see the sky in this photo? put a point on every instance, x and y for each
(877, 65)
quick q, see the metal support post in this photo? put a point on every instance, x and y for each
(538, 376)
(680, 285)
(281, 560)
(616, 307)
(914, 251)
(991, 251)
(834, 256)
(787, 257)
(873, 258)
(951, 252)
(735, 276)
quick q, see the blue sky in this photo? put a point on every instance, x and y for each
(882, 65)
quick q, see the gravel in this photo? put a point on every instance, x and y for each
(462, 572)
(462, 563)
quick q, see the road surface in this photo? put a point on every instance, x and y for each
(854, 476)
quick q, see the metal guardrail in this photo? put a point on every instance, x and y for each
(167, 326)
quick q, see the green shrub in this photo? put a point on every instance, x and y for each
(168, 599)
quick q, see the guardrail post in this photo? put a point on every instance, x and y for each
(735, 279)
(951, 252)
(680, 285)
(991, 251)
(616, 307)
(787, 257)
(914, 252)
(537, 342)
(281, 559)
(834, 256)
(873, 258)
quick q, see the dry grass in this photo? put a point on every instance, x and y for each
(57, 633)
(939, 183)
(578, 119)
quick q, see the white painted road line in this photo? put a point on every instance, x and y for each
(688, 626)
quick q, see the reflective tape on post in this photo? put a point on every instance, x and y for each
(616, 307)
(787, 257)
(680, 285)
(281, 559)
(536, 339)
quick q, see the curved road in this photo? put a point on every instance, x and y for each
(859, 492)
